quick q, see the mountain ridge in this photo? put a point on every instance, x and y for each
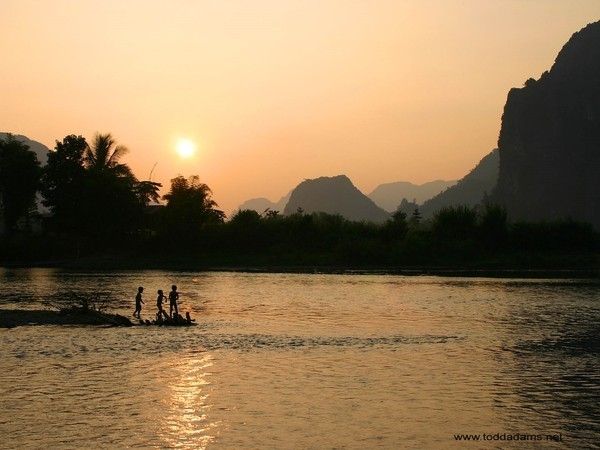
(261, 204)
(389, 195)
(470, 190)
(334, 195)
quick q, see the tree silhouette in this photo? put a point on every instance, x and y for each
(111, 207)
(63, 183)
(407, 207)
(397, 226)
(147, 191)
(455, 223)
(103, 157)
(415, 218)
(494, 225)
(189, 207)
(19, 179)
(245, 217)
(271, 213)
(90, 192)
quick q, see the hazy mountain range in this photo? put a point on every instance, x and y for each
(261, 204)
(386, 196)
(547, 165)
(338, 195)
(389, 195)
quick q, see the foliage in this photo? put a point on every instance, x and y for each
(407, 207)
(397, 226)
(415, 218)
(494, 226)
(189, 208)
(271, 213)
(245, 217)
(454, 223)
(63, 183)
(19, 179)
(104, 155)
(91, 193)
(147, 192)
(561, 235)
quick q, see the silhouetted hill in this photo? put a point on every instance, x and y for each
(261, 204)
(550, 138)
(470, 189)
(40, 149)
(389, 195)
(334, 195)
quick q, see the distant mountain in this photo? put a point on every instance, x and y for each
(470, 189)
(389, 195)
(550, 138)
(334, 195)
(261, 204)
(40, 149)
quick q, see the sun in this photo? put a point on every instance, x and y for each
(185, 148)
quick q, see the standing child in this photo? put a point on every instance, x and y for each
(138, 303)
(173, 297)
(159, 304)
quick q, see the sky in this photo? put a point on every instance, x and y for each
(272, 92)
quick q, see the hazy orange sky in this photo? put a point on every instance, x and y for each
(277, 91)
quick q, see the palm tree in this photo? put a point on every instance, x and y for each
(190, 206)
(103, 157)
(113, 200)
(147, 191)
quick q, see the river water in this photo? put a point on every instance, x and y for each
(306, 361)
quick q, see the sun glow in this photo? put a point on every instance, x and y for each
(185, 148)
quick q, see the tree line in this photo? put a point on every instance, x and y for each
(90, 193)
(96, 206)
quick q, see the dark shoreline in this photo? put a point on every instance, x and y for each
(10, 318)
(111, 264)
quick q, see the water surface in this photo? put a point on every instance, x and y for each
(305, 361)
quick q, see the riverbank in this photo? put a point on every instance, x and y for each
(569, 266)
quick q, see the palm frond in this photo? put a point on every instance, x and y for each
(89, 157)
(101, 148)
(122, 170)
(118, 152)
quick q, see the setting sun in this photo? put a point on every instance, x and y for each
(185, 148)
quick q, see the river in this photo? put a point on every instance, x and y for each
(306, 361)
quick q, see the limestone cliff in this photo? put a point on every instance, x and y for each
(550, 138)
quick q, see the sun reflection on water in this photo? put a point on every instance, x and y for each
(187, 421)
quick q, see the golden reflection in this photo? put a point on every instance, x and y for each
(187, 421)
